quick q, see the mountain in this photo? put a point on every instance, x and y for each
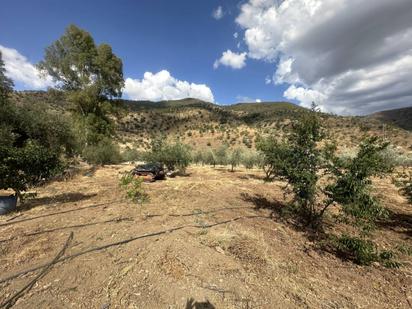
(401, 117)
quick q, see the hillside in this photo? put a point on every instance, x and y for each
(401, 117)
(202, 124)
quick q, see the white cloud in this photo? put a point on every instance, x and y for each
(245, 99)
(354, 55)
(162, 86)
(20, 70)
(235, 35)
(231, 59)
(218, 13)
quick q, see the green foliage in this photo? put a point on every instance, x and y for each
(26, 166)
(103, 152)
(274, 156)
(234, 158)
(352, 186)
(6, 84)
(364, 252)
(251, 159)
(75, 63)
(404, 181)
(131, 155)
(133, 188)
(222, 154)
(298, 161)
(173, 155)
(210, 157)
(32, 141)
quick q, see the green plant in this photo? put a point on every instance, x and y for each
(173, 155)
(364, 252)
(352, 186)
(130, 155)
(133, 187)
(234, 158)
(104, 152)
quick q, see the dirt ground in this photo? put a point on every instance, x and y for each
(211, 239)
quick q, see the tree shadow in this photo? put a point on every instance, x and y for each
(70, 197)
(251, 176)
(397, 221)
(286, 214)
(261, 202)
(192, 304)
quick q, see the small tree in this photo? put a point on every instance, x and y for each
(221, 155)
(173, 155)
(210, 157)
(234, 158)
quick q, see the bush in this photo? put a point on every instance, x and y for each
(104, 152)
(26, 166)
(364, 252)
(133, 187)
(130, 155)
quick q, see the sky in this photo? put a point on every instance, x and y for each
(347, 56)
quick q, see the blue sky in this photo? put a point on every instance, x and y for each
(348, 56)
(181, 37)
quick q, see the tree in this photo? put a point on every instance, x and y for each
(75, 63)
(32, 141)
(6, 84)
(234, 158)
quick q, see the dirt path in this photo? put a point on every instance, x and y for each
(201, 242)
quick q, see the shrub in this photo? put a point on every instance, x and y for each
(26, 166)
(131, 155)
(406, 185)
(104, 152)
(364, 252)
(133, 188)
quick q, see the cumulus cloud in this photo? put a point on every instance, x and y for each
(231, 59)
(20, 70)
(162, 86)
(352, 56)
(218, 13)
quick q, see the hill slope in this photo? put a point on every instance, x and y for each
(401, 117)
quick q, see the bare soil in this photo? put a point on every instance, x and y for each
(211, 239)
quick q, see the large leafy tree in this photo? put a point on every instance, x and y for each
(75, 63)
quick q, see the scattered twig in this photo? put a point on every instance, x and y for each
(125, 241)
(12, 300)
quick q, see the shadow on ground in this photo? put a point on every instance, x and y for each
(192, 304)
(70, 197)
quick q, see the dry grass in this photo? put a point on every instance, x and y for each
(251, 258)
